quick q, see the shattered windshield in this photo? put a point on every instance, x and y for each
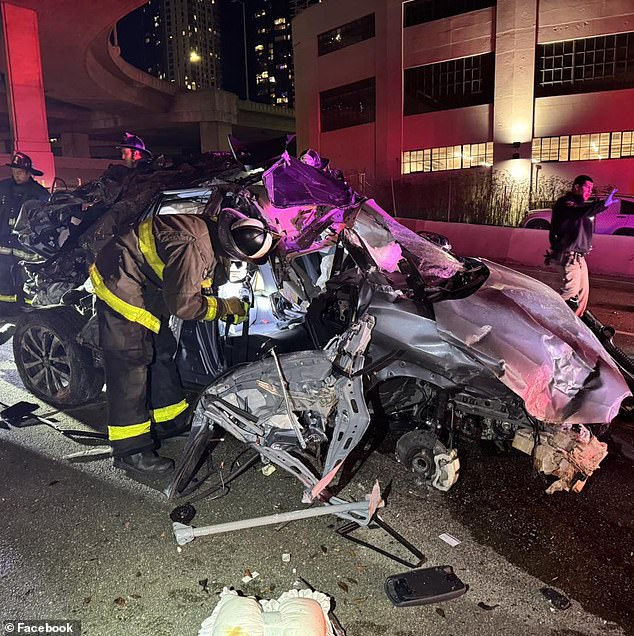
(388, 242)
(291, 183)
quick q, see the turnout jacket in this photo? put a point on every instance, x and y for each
(573, 224)
(163, 265)
(12, 196)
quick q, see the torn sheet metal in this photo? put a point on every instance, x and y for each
(538, 347)
(572, 455)
(284, 407)
(384, 238)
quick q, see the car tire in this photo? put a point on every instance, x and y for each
(538, 224)
(624, 232)
(53, 366)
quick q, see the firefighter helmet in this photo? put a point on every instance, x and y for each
(243, 238)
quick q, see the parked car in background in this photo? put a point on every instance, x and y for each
(617, 219)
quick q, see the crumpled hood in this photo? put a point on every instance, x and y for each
(546, 354)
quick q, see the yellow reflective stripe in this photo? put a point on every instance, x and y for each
(212, 308)
(8, 299)
(147, 245)
(166, 413)
(117, 433)
(132, 313)
(6, 250)
(207, 283)
(25, 256)
(28, 301)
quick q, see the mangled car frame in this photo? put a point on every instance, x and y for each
(389, 325)
(447, 348)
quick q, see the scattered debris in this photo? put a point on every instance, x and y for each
(424, 586)
(183, 514)
(450, 539)
(363, 510)
(286, 557)
(204, 583)
(555, 598)
(249, 576)
(343, 586)
(120, 601)
(268, 470)
(324, 549)
(441, 612)
(484, 606)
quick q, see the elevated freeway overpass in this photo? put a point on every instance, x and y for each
(91, 94)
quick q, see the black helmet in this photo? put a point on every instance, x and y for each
(243, 238)
(134, 142)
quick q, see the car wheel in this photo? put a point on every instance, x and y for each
(538, 224)
(624, 232)
(52, 365)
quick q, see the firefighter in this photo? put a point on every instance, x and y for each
(136, 158)
(14, 192)
(163, 266)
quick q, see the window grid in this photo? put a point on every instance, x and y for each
(447, 158)
(419, 11)
(349, 105)
(576, 66)
(346, 35)
(604, 145)
(465, 81)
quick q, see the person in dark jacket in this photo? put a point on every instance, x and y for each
(571, 239)
(137, 159)
(164, 266)
(14, 192)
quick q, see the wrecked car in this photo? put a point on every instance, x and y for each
(389, 325)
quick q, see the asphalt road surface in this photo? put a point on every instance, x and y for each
(82, 541)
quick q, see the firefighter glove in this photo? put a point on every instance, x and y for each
(233, 310)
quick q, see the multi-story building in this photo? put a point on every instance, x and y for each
(297, 6)
(180, 42)
(270, 51)
(534, 89)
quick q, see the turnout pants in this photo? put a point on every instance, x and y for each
(8, 273)
(574, 280)
(143, 388)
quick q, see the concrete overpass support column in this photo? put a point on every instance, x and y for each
(516, 33)
(25, 88)
(213, 136)
(75, 145)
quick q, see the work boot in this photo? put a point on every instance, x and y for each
(180, 425)
(147, 462)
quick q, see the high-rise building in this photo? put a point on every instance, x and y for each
(270, 46)
(175, 40)
(299, 5)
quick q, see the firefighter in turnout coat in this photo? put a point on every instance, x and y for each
(164, 266)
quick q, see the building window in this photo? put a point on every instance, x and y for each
(605, 145)
(349, 105)
(467, 81)
(346, 35)
(448, 158)
(419, 11)
(581, 66)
